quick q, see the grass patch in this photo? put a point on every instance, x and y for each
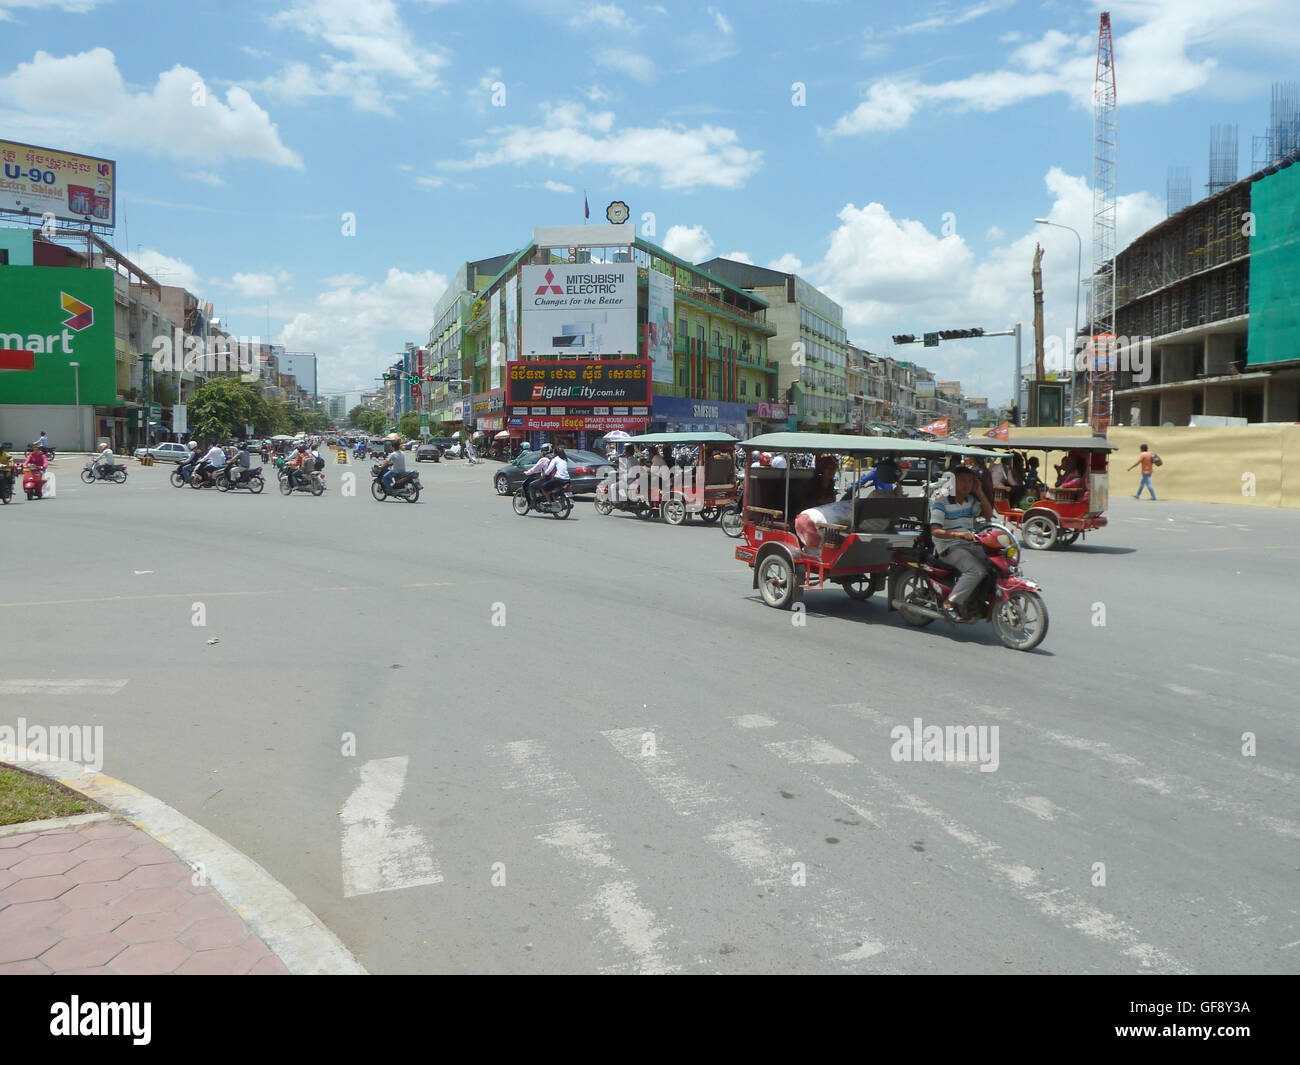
(28, 797)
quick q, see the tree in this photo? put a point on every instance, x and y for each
(409, 424)
(357, 417)
(220, 408)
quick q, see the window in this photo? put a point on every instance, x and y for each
(716, 384)
(758, 389)
(682, 329)
(681, 379)
(731, 341)
(742, 386)
(699, 334)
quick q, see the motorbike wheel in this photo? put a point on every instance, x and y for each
(1038, 533)
(709, 515)
(87, 477)
(908, 586)
(255, 485)
(520, 503)
(177, 480)
(563, 509)
(285, 489)
(412, 493)
(223, 482)
(731, 521)
(196, 481)
(1067, 537)
(120, 476)
(1021, 622)
(377, 490)
(776, 582)
(604, 507)
(30, 493)
(317, 488)
(501, 484)
(860, 587)
(673, 511)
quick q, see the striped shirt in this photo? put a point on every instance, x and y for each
(954, 515)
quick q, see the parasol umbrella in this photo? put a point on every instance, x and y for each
(507, 434)
(617, 434)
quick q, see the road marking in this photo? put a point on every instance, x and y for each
(376, 855)
(1042, 808)
(211, 595)
(141, 572)
(811, 751)
(634, 927)
(61, 687)
(1059, 904)
(831, 915)
(1178, 689)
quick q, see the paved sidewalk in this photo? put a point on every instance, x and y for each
(102, 896)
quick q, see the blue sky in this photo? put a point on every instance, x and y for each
(905, 185)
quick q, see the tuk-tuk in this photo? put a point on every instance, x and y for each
(870, 541)
(1054, 513)
(697, 478)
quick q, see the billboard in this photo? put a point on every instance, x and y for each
(512, 319)
(924, 389)
(660, 326)
(579, 309)
(496, 354)
(77, 188)
(59, 315)
(579, 384)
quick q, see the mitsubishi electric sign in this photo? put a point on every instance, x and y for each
(578, 309)
(61, 315)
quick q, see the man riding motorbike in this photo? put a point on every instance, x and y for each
(298, 462)
(213, 460)
(104, 464)
(556, 477)
(540, 468)
(952, 526)
(394, 466)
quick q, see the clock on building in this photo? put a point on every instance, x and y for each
(617, 212)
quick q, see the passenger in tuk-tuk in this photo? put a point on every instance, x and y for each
(825, 509)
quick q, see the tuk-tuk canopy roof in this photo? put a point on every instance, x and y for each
(855, 445)
(679, 438)
(1048, 443)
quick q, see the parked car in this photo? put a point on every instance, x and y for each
(586, 470)
(169, 452)
(433, 448)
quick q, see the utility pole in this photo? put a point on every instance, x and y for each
(1040, 369)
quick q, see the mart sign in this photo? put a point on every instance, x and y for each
(60, 315)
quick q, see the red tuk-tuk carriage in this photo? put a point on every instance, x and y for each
(877, 539)
(700, 480)
(1058, 515)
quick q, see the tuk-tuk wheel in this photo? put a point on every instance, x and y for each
(732, 522)
(776, 582)
(604, 507)
(709, 515)
(1038, 532)
(673, 511)
(860, 587)
(1067, 537)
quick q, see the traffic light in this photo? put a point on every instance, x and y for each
(905, 338)
(413, 379)
(960, 334)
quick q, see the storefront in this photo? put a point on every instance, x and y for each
(773, 417)
(573, 403)
(676, 415)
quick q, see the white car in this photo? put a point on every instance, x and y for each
(168, 452)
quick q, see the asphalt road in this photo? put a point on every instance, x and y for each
(588, 746)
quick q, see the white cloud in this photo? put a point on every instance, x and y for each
(260, 286)
(788, 263)
(67, 7)
(356, 319)
(557, 186)
(1160, 59)
(82, 99)
(720, 20)
(894, 275)
(633, 64)
(604, 17)
(672, 157)
(374, 59)
(691, 243)
(166, 270)
(739, 257)
(205, 176)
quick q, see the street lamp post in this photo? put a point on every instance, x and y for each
(1078, 284)
(76, 403)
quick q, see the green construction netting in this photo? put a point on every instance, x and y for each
(1275, 269)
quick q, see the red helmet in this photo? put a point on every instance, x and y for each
(765, 459)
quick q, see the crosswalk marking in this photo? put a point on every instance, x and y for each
(65, 686)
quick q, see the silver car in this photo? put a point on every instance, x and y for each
(169, 452)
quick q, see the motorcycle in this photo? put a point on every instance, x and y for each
(203, 476)
(559, 506)
(6, 485)
(629, 494)
(312, 481)
(93, 473)
(406, 487)
(34, 482)
(181, 475)
(731, 518)
(233, 477)
(919, 586)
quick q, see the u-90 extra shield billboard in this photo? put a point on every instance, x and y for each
(39, 181)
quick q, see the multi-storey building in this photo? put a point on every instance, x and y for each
(810, 341)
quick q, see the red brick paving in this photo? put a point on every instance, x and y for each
(105, 898)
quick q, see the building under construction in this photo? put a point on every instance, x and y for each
(1216, 290)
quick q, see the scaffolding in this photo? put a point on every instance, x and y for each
(1223, 158)
(1178, 190)
(1283, 137)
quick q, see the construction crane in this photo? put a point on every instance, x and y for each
(1102, 289)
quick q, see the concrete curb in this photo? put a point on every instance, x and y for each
(272, 912)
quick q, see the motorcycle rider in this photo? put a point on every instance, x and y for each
(104, 465)
(952, 525)
(238, 467)
(540, 467)
(297, 462)
(37, 461)
(557, 474)
(213, 460)
(394, 466)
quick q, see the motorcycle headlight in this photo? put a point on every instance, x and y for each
(1013, 552)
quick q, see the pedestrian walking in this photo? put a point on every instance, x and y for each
(1148, 460)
